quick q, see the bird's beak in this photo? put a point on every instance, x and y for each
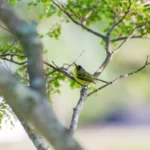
(75, 64)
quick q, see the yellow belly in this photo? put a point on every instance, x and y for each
(83, 82)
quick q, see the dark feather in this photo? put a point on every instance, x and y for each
(85, 77)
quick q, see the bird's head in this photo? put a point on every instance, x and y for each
(78, 67)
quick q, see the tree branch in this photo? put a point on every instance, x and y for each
(37, 141)
(26, 32)
(56, 68)
(110, 54)
(103, 65)
(120, 77)
(118, 48)
(133, 37)
(35, 138)
(62, 70)
(77, 110)
(61, 7)
(30, 106)
(15, 62)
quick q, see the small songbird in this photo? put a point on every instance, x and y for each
(84, 77)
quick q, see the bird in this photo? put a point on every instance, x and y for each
(84, 77)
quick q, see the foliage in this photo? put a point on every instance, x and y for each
(6, 114)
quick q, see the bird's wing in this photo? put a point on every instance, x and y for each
(86, 77)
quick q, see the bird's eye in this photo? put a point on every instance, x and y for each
(79, 67)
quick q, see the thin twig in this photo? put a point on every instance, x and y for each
(11, 45)
(15, 62)
(12, 54)
(79, 56)
(118, 48)
(62, 70)
(120, 77)
(133, 37)
(49, 73)
(5, 29)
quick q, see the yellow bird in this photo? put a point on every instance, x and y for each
(84, 77)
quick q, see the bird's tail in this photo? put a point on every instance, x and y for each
(101, 80)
